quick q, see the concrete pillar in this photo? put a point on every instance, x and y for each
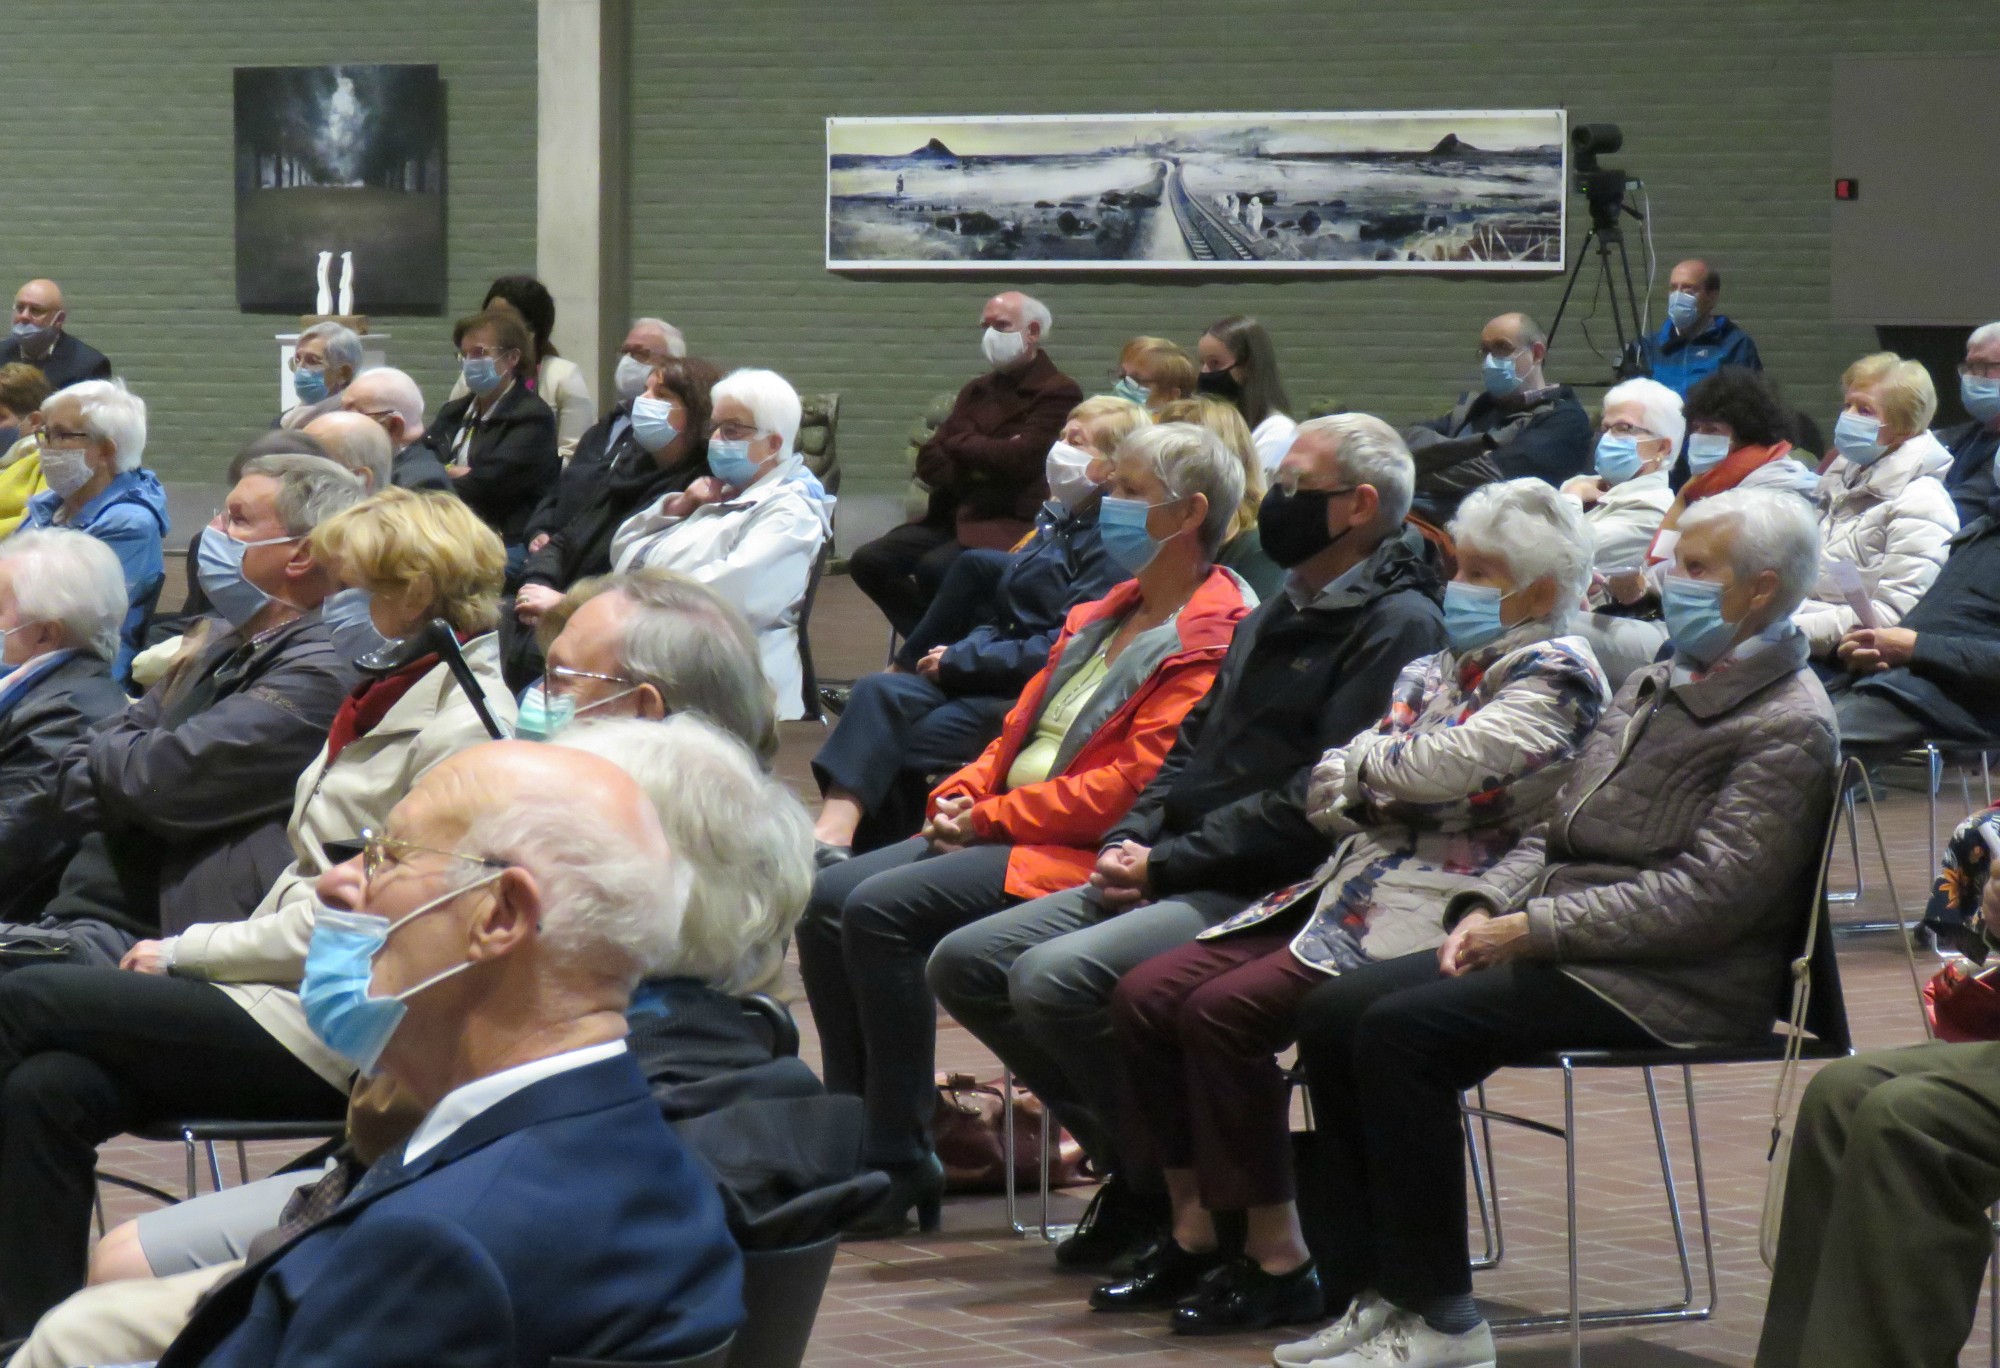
(581, 175)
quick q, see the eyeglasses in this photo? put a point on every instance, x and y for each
(1981, 370)
(1288, 480)
(1630, 430)
(736, 432)
(378, 852)
(307, 363)
(569, 678)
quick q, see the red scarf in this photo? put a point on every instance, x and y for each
(370, 702)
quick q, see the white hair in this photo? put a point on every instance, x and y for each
(1660, 406)
(1367, 451)
(400, 395)
(745, 841)
(343, 345)
(1539, 531)
(1770, 529)
(1983, 334)
(1189, 460)
(773, 403)
(1034, 311)
(676, 344)
(108, 412)
(610, 903)
(72, 579)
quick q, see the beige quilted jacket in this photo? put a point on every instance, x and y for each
(1672, 878)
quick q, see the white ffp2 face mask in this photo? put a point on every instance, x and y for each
(1002, 348)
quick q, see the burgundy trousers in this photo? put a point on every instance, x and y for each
(1200, 1027)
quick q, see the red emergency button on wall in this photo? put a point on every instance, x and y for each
(1846, 188)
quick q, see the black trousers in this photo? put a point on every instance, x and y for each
(966, 598)
(87, 1054)
(902, 724)
(1387, 1050)
(902, 569)
(867, 934)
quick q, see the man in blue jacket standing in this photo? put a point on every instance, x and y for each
(1695, 341)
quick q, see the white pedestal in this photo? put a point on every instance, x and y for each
(372, 355)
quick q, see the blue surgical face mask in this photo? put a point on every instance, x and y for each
(1121, 524)
(1618, 458)
(1500, 375)
(1682, 308)
(1859, 439)
(340, 961)
(1706, 451)
(1128, 388)
(482, 374)
(1981, 396)
(653, 423)
(1695, 624)
(540, 717)
(730, 462)
(1472, 614)
(309, 385)
(219, 570)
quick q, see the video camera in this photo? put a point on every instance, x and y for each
(1603, 187)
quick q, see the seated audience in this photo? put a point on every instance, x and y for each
(537, 870)
(1026, 818)
(1239, 364)
(983, 465)
(1694, 341)
(1660, 908)
(498, 442)
(662, 450)
(958, 672)
(1242, 549)
(1475, 743)
(324, 362)
(92, 438)
(391, 398)
(752, 529)
(649, 345)
(1624, 501)
(1153, 371)
(1883, 507)
(22, 393)
(557, 380)
(1516, 425)
(1974, 445)
(1224, 819)
(180, 801)
(41, 338)
(357, 444)
(62, 598)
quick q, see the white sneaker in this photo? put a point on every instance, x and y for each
(1405, 1341)
(1363, 1321)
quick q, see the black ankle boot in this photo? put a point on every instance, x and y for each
(1161, 1276)
(1117, 1223)
(921, 1185)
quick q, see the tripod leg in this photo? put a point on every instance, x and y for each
(1582, 255)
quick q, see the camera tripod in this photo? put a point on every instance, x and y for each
(1608, 236)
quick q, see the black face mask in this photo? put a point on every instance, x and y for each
(1221, 384)
(1292, 527)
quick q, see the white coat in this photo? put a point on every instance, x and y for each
(1624, 520)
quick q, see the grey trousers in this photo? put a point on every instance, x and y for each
(1885, 1238)
(1034, 983)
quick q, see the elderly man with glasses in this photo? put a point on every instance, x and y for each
(325, 361)
(1975, 445)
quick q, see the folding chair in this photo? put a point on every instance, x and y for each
(197, 1135)
(1051, 1233)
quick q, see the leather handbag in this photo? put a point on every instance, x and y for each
(1963, 1002)
(966, 1132)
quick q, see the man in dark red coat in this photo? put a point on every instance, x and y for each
(984, 464)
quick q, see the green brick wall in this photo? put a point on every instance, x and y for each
(116, 119)
(1724, 108)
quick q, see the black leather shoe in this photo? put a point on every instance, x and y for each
(833, 697)
(1118, 1222)
(1244, 1297)
(1163, 1275)
(921, 1185)
(826, 856)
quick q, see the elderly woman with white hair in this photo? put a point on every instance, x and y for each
(93, 436)
(62, 598)
(752, 529)
(1468, 757)
(324, 362)
(1639, 435)
(1659, 905)
(1027, 817)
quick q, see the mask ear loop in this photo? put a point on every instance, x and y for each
(431, 906)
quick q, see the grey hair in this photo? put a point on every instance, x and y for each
(1660, 405)
(1983, 334)
(1191, 460)
(1034, 311)
(743, 838)
(109, 412)
(1370, 452)
(1774, 530)
(609, 904)
(1540, 532)
(772, 401)
(399, 393)
(355, 442)
(311, 489)
(676, 344)
(71, 579)
(343, 345)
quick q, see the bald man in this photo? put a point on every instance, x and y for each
(38, 338)
(1695, 341)
(357, 442)
(984, 464)
(392, 400)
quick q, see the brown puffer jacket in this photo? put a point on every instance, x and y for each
(1672, 879)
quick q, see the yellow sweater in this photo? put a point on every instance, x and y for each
(20, 480)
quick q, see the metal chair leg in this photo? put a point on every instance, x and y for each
(1854, 849)
(215, 1166)
(193, 1182)
(1569, 1196)
(1992, 1295)
(1488, 1223)
(242, 1162)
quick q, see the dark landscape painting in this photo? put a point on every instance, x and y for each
(1428, 191)
(340, 159)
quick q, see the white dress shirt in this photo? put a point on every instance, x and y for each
(462, 1104)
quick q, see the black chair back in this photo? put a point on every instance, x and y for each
(776, 1019)
(1826, 1003)
(781, 1295)
(808, 677)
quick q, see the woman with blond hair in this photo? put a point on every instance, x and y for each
(1242, 547)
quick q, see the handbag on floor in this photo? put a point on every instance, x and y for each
(1962, 1002)
(966, 1133)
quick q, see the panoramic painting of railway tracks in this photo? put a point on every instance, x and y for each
(1478, 190)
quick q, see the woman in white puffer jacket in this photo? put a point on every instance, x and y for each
(1882, 503)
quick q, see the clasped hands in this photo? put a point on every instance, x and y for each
(1482, 940)
(1871, 650)
(1120, 876)
(950, 827)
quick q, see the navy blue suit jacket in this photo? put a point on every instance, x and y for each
(567, 1220)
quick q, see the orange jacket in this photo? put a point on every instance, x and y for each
(1055, 826)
